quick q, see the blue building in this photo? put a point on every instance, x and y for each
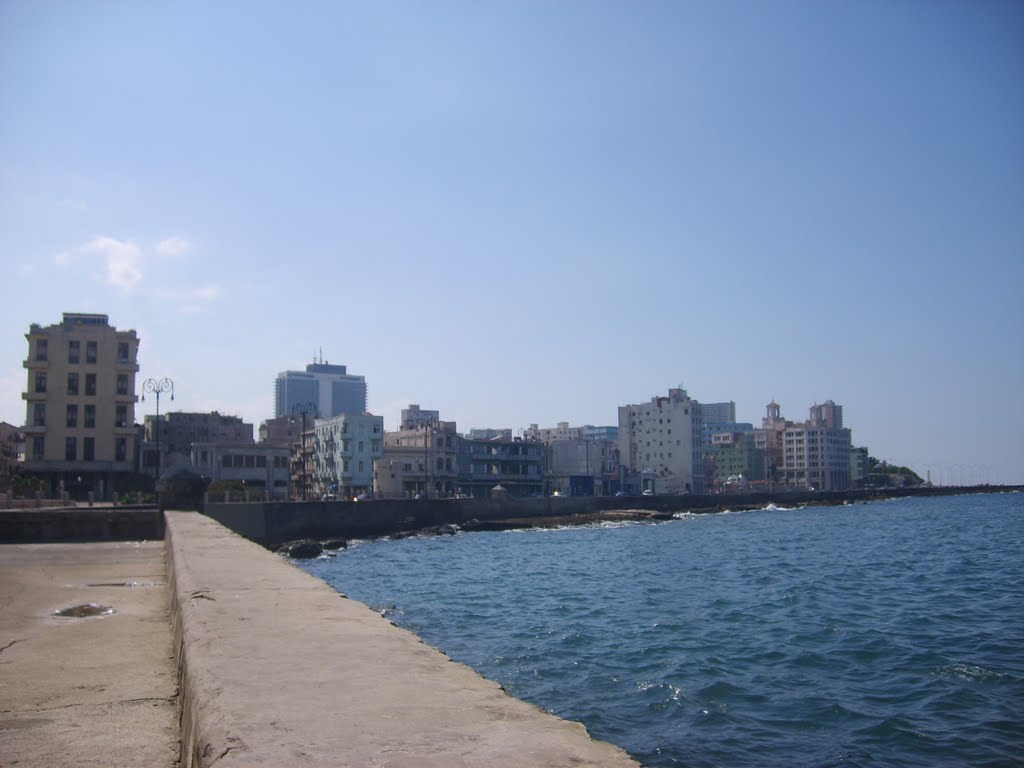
(329, 387)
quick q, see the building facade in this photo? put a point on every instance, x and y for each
(656, 444)
(414, 416)
(80, 421)
(11, 440)
(261, 469)
(419, 462)
(345, 448)
(516, 465)
(733, 461)
(175, 433)
(330, 388)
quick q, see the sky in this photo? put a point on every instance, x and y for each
(531, 212)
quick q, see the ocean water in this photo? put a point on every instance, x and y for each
(882, 634)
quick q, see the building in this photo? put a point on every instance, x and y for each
(858, 466)
(816, 454)
(413, 417)
(769, 440)
(732, 461)
(829, 413)
(516, 465)
(344, 450)
(718, 412)
(581, 461)
(330, 388)
(486, 433)
(282, 431)
(548, 435)
(260, 469)
(178, 430)
(656, 444)
(11, 442)
(421, 461)
(80, 424)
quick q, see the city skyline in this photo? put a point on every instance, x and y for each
(525, 213)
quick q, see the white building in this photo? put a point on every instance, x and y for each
(656, 444)
(261, 468)
(344, 449)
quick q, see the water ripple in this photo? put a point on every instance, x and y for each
(874, 634)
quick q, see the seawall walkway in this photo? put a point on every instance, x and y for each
(277, 668)
(219, 652)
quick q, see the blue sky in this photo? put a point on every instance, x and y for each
(532, 212)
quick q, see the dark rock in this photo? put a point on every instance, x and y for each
(301, 549)
(335, 544)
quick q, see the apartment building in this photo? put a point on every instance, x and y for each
(421, 460)
(581, 461)
(344, 450)
(732, 460)
(657, 444)
(80, 422)
(515, 464)
(260, 468)
(179, 430)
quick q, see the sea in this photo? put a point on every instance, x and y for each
(888, 633)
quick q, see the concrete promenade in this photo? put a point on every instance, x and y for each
(220, 652)
(97, 691)
(277, 668)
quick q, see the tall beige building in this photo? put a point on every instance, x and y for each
(80, 401)
(656, 444)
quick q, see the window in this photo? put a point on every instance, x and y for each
(90, 384)
(74, 348)
(72, 420)
(72, 383)
(40, 381)
(90, 352)
(261, 461)
(39, 415)
(225, 461)
(89, 448)
(122, 352)
(41, 349)
(121, 449)
(90, 417)
(71, 449)
(38, 447)
(121, 416)
(122, 384)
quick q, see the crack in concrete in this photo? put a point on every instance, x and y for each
(159, 699)
(4, 648)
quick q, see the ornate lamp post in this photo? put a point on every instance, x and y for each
(304, 409)
(155, 387)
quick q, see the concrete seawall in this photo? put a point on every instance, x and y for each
(276, 668)
(273, 523)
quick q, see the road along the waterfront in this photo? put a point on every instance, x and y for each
(277, 668)
(90, 690)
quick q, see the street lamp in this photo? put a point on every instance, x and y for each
(304, 409)
(155, 387)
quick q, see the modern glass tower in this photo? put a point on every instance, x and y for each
(330, 387)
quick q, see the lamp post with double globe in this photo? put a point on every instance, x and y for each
(155, 387)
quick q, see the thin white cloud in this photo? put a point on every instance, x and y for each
(190, 309)
(172, 246)
(122, 260)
